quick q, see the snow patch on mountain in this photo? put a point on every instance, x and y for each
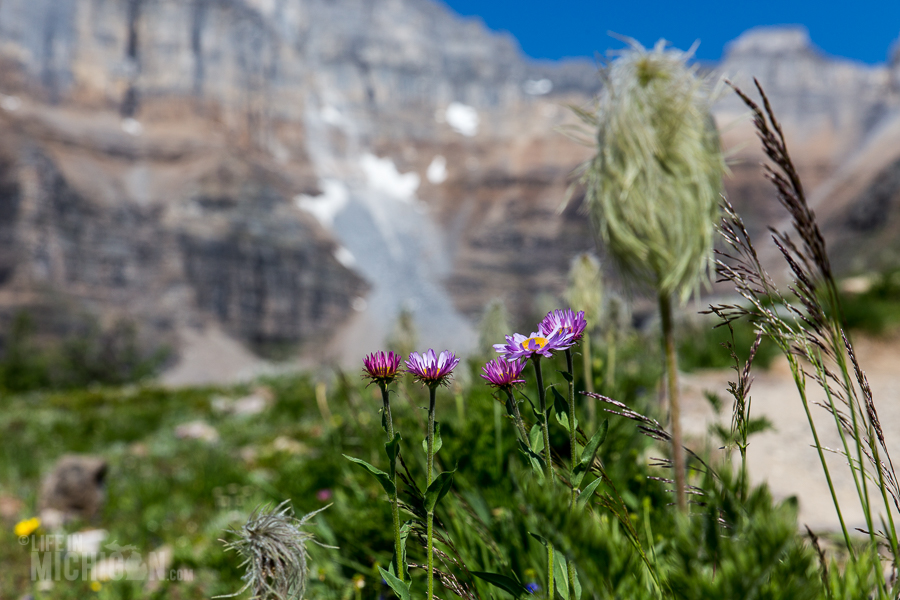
(462, 118)
(384, 178)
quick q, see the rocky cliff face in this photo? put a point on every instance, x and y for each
(248, 164)
(282, 170)
(829, 108)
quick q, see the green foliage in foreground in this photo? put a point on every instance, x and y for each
(181, 493)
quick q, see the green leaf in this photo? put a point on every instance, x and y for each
(535, 460)
(510, 410)
(594, 443)
(561, 574)
(590, 450)
(533, 408)
(400, 588)
(437, 439)
(585, 496)
(393, 450)
(438, 489)
(563, 420)
(559, 402)
(561, 405)
(539, 538)
(503, 582)
(567, 376)
(382, 477)
(536, 436)
(576, 584)
(405, 529)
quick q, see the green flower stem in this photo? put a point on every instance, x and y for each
(518, 416)
(432, 390)
(395, 504)
(574, 450)
(542, 396)
(386, 401)
(573, 447)
(665, 311)
(498, 437)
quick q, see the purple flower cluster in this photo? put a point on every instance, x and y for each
(567, 324)
(559, 330)
(428, 368)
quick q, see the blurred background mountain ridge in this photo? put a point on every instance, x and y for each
(249, 180)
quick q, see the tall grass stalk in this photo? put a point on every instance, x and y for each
(812, 330)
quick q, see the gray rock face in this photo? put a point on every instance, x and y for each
(830, 109)
(265, 165)
(811, 91)
(315, 91)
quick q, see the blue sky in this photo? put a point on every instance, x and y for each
(562, 28)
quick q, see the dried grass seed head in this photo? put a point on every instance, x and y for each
(653, 186)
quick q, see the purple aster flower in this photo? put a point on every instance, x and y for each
(430, 369)
(570, 325)
(520, 346)
(503, 374)
(381, 368)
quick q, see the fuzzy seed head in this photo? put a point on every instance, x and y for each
(653, 186)
(274, 551)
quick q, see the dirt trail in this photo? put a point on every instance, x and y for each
(784, 457)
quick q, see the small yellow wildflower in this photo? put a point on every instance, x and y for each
(27, 527)
(96, 586)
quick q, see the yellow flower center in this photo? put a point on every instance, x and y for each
(534, 343)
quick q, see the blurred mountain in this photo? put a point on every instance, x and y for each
(284, 176)
(831, 109)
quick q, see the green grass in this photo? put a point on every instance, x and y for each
(183, 494)
(700, 346)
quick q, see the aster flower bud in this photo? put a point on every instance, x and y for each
(381, 368)
(503, 374)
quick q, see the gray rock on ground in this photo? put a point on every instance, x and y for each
(74, 489)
